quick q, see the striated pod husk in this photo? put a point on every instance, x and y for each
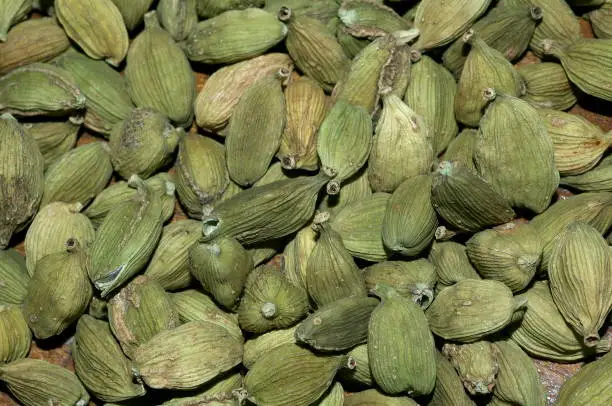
(547, 86)
(96, 26)
(221, 266)
(485, 67)
(178, 17)
(401, 348)
(200, 181)
(215, 103)
(581, 279)
(472, 309)
(108, 101)
(431, 93)
(21, 178)
(98, 308)
(598, 179)
(292, 375)
(410, 219)
(345, 124)
(233, 36)
(333, 397)
(351, 45)
(193, 305)
(372, 397)
(414, 280)
(35, 382)
(579, 144)
(558, 22)
(12, 12)
(169, 265)
(139, 311)
(59, 291)
(275, 173)
(366, 18)
(449, 389)
(52, 226)
(158, 74)
(40, 89)
(361, 374)
(600, 18)
(265, 212)
(356, 188)
(100, 364)
(512, 135)
(339, 325)
(270, 301)
(322, 10)
(441, 24)
(518, 382)
(187, 356)
(461, 148)
(126, 239)
(587, 63)
(54, 138)
(314, 49)
(306, 106)
(257, 347)
(465, 200)
(451, 263)
(255, 129)
(331, 272)
(506, 28)
(15, 335)
(475, 363)
(14, 276)
(35, 40)
(263, 252)
(509, 253)
(296, 254)
(218, 392)
(589, 386)
(211, 8)
(133, 11)
(402, 146)
(78, 175)
(143, 143)
(360, 225)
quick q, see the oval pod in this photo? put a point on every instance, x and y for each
(476, 365)
(54, 138)
(547, 86)
(132, 11)
(590, 385)
(451, 263)
(15, 335)
(178, 17)
(15, 277)
(449, 390)
(558, 23)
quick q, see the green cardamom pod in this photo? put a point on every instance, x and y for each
(365, 18)
(449, 389)
(54, 138)
(219, 392)
(14, 277)
(350, 44)
(262, 252)
(178, 17)
(476, 364)
(211, 8)
(372, 397)
(193, 305)
(598, 179)
(98, 308)
(322, 10)
(133, 11)
(360, 374)
(257, 347)
(547, 86)
(461, 148)
(15, 335)
(451, 263)
(558, 23)
(274, 173)
(333, 397)
(355, 188)
(13, 12)
(589, 386)
(296, 255)
(600, 18)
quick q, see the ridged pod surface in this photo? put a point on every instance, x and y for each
(14, 276)
(54, 138)
(590, 385)
(12, 12)
(547, 86)
(15, 335)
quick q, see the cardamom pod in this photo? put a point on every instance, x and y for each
(451, 263)
(133, 11)
(15, 335)
(360, 374)
(211, 8)
(547, 86)
(296, 255)
(257, 347)
(461, 148)
(589, 386)
(13, 12)
(365, 18)
(218, 392)
(600, 18)
(178, 17)
(322, 10)
(54, 138)
(598, 179)
(476, 364)
(372, 397)
(449, 389)
(333, 397)
(351, 45)
(355, 188)
(192, 305)
(98, 308)
(14, 277)
(558, 23)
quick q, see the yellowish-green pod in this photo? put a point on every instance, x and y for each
(54, 138)
(211, 8)
(601, 20)
(218, 392)
(333, 397)
(11, 12)
(14, 276)
(351, 45)
(322, 10)
(133, 11)
(598, 179)
(373, 397)
(356, 188)
(15, 335)
(558, 23)
(448, 390)
(257, 347)
(364, 18)
(361, 374)
(193, 305)
(178, 17)
(451, 263)
(590, 385)
(475, 363)
(461, 148)
(547, 86)
(296, 254)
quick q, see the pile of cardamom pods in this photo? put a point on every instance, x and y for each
(387, 156)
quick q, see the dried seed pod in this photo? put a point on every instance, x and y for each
(449, 389)
(476, 364)
(598, 179)
(372, 397)
(314, 49)
(265, 212)
(193, 305)
(322, 10)
(257, 347)
(166, 362)
(472, 309)
(263, 252)
(579, 144)
(221, 266)
(139, 311)
(580, 279)
(34, 40)
(13, 12)
(34, 382)
(451, 263)
(275, 173)
(152, 56)
(296, 254)
(78, 175)
(559, 23)
(52, 226)
(361, 374)
(365, 18)
(517, 380)
(356, 188)
(440, 25)
(461, 148)
(414, 280)
(54, 138)
(547, 86)
(96, 26)
(360, 225)
(40, 89)
(14, 276)
(465, 200)
(15, 335)
(513, 126)
(233, 36)
(350, 44)
(410, 219)
(126, 239)
(600, 18)
(133, 11)
(98, 308)
(218, 392)
(178, 17)
(306, 105)
(143, 143)
(292, 375)
(100, 364)
(331, 273)
(589, 386)
(21, 178)
(485, 67)
(339, 325)
(255, 129)
(59, 292)
(270, 301)
(401, 348)
(333, 397)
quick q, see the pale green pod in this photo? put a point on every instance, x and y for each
(360, 225)
(558, 23)
(97, 26)
(133, 11)
(410, 219)
(193, 305)
(364, 18)
(601, 20)
(373, 397)
(52, 226)
(54, 138)
(78, 175)
(448, 390)
(356, 188)
(461, 148)
(333, 397)
(351, 45)
(296, 254)
(451, 263)
(178, 17)
(589, 386)
(218, 392)
(158, 74)
(15, 335)
(257, 347)
(12, 12)
(598, 179)
(361, 374)
(233, 36)
(14, 277)
(322, 10)
(475, 363)
(274, 173)
(547, 86)
(263, 252)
